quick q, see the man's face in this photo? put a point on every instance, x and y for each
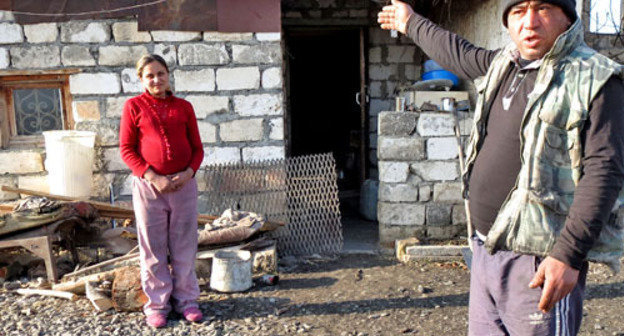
(534, 26)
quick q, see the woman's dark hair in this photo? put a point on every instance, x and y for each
(147, 59)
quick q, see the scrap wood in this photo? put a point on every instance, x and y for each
(107, 265)
(79, 286)
(48, 292)
(118, 212)
(98, 297)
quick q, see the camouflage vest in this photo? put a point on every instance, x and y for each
(535, 210)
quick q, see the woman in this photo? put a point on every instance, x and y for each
(159, 141)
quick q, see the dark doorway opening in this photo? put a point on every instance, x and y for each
(324, 77)
(325, 70)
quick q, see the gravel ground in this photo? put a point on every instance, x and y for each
(348, 295)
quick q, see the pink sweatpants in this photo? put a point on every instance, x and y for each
(167, 228)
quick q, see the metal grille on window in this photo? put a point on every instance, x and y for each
(37, 110)
(301, 192)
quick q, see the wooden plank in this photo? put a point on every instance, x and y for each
(8, 73)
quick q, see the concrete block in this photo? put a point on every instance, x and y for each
(358, 13)
(383, 72)
(393, 172)
(175, 36)
(129, 32)
(258, 105)
(224, 37)
(238, 78)
(292, 15)
(375, 90)
(378, 105)
(100, 186)
(438, 214)
(272, 78)
(77, 55)
(388, 234)
(401, 54)
(412, 72)
(36, 56)
(208, 105)
(263, 153)
(202, 54)
(397, 123)
(194, 80)
(441, 148)
(6, 16)
(372, 124)
(94, 83)
(447, 192)
(401, 149)
(114, 106)
(378, 36)
(269, 36)
(130, 81)
(5, 59)
(401, 213)
(241, 130)
(217, 155)
(458, 215)
(207, 131)
(424, 193)
(446, 232)
(254, 54)
(433, 251)
(168, 52)
(276, 126)
(340, 14)
(106, 130)
(374, 55)
(86, 110)
(85, 32)
(10, 33)
(418, 98)
(20, 162)
(397, 193)
(436, 170)
(41, 32)
(34, 182)
(10, 181)
(121, 55)
(112, 160)
(465, 126)
(435, 124)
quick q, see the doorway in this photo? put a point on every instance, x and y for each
(325, 76)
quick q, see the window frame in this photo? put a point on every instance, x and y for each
(14, 80)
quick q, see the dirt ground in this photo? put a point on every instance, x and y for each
(346, 295)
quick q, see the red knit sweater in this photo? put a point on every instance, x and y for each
(161, 134)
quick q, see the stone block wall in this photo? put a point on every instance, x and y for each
(419, 188)
(233, 80)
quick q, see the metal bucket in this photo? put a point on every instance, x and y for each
(231, 271)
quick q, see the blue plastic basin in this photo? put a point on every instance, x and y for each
(441, 74)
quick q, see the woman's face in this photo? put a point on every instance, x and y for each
(155, 79)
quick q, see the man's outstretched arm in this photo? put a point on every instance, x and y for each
(448, 49)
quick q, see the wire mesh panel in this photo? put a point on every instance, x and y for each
(300, 191)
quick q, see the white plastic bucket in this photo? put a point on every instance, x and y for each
(69, 162)
(231, 271)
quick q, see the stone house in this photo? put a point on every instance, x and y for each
(259, 95)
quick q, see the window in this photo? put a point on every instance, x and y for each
(605, 16)
(32, 104)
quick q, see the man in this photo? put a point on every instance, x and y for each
(544, 165)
